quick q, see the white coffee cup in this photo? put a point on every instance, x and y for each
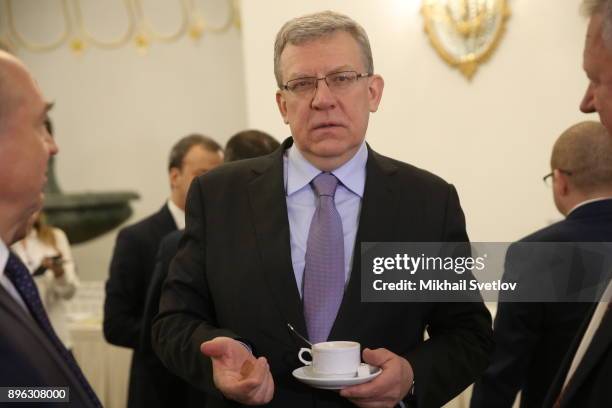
(333, 358)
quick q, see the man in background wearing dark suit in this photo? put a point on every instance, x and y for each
(31, 354)
(253, 260)
(531, 339)
(133, 262)
(172, 390)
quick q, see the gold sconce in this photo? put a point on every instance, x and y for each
(465, 33)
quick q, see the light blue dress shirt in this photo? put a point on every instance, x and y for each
(302, 203)
(5, 281)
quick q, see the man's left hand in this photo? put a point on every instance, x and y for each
(386, 390)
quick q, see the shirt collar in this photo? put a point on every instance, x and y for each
(4, 255)
(351, 174)
(178, 215)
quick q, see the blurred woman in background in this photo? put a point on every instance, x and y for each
(46, 252)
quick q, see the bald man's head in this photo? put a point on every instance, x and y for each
(25, 147)
(11, 71)
(584, 150)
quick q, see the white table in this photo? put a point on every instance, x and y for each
(105, 366)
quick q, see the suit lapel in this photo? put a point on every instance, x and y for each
(602, 340)
(377, 222)
(28, 322)
(164, 221)
(269, 215)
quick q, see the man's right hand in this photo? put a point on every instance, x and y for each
(237, 373)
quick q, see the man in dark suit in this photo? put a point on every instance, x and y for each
(584, 377)
(250, 263)
(133, 262)
(31, 354)
(532, 338)
(170, 390)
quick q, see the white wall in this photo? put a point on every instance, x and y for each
(491, 137)
(118, 112)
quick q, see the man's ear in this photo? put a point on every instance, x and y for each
(376, 85)
(282, 105)
(173, 175)
(561, 183)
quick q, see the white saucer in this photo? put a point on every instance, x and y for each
(305, 375)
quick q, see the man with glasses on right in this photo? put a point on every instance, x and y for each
(532, 339)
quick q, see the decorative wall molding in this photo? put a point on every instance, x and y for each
(139, 30)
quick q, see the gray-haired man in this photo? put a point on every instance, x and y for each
(250, 262)
(584, 377)
(597, 60)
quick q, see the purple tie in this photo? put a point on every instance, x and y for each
(324, 270)
(19, 275)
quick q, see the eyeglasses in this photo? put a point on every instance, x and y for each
(338, 81)
(547, 179)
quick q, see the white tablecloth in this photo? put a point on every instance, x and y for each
(106, 367)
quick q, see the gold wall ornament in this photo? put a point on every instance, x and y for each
(77, 45)
(138, 31)
(465, 33)
(196, 29)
